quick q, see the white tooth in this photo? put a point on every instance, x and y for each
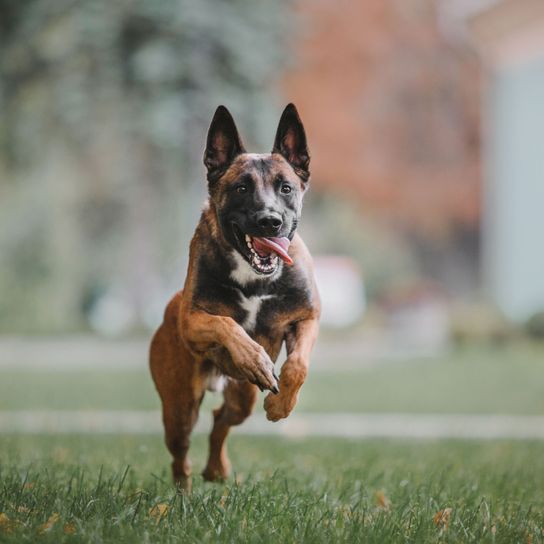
(248, 239)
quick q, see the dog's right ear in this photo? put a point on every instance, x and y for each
(223, 144)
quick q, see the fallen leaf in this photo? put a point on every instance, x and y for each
(6, 524)
(382, 500)
(158, 511)
(69, 529)
(48, 525)
(442, 518)
(28, 485)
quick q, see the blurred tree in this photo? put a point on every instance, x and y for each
(103, 112)
(401, 103)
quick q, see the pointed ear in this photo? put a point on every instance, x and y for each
(291, 141)
(223, 143)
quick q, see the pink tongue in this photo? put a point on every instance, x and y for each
(264, 246)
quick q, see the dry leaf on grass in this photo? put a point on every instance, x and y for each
(49, 524)
(442, 518)
(6, 524)
(158, 511)
(69, 529)
(382, 500)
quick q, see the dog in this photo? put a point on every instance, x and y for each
(249, 288)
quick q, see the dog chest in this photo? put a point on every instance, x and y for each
(252, 306)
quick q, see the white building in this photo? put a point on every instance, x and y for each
(509, 34)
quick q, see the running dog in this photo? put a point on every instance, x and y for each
(250, 287)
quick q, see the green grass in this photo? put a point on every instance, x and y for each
(473, 380)
(311, 490)
(506, 380)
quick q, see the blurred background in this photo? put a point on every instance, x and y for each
(425, 120)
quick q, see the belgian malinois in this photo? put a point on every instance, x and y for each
(249, 287)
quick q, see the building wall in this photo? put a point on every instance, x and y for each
(510, 37)
(514, 226)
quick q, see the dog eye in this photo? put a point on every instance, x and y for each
(241, 189)
(286, 189)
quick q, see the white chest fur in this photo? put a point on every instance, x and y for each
(252, 306)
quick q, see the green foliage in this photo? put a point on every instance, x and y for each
(337, 226)
(103, 113)
(535, 326)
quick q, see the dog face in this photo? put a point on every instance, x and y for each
(258, 197)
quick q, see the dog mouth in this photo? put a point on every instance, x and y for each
(264, 254)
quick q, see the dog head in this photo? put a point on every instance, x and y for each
(257, 198)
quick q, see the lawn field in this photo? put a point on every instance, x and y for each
(509, 380)
(117, 489)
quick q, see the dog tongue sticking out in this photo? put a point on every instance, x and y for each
(265, 246)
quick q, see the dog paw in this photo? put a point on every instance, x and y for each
(258, 368)
(278, 407)
(216, 472)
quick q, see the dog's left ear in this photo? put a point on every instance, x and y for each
(223, 144)
(291, 141)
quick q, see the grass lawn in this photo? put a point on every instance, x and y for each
(106, 488)
(506, 380)
(114, 488)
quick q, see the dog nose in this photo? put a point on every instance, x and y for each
(269, 222)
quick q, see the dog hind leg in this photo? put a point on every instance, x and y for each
(179, 419)
(239, 400)
(181, 387)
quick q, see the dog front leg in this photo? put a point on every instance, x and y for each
(249, 358)
(299, 343)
